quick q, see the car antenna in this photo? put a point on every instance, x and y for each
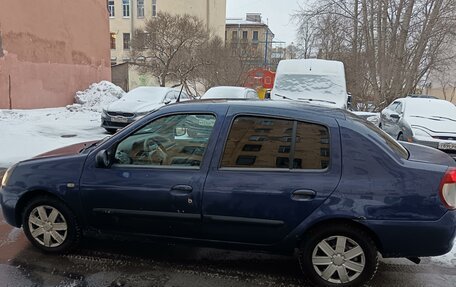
(180, 93)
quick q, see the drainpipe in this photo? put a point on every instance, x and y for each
(266, 48)
(208, 14)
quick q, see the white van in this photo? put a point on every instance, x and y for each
(311, 80)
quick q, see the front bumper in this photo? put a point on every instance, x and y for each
(415, 238)
(110, 123)
(8, 202)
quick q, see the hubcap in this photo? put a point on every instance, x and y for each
(47, 226)
(338, 259)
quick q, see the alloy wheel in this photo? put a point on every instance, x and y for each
(338, 259)
(47, 226)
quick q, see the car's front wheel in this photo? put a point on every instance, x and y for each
(50, 225)
(338, 255)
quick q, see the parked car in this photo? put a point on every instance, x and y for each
(422, 120)
(227, 92)
(315, 81)
(137, 103)
(374, 118)
(269, 175)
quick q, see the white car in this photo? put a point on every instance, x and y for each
(426, 121)
(228, 92)
(137, 103)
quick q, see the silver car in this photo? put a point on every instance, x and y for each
(137, 103)
(426, 121)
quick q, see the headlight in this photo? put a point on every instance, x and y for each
(417, 132)
(104, 113)
(7, 175)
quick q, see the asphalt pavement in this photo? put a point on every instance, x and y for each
(118, 263)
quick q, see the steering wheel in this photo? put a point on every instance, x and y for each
(155, 150)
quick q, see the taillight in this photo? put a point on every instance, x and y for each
(448, 189)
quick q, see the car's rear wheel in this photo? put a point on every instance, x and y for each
(50, 225)
(338, 255)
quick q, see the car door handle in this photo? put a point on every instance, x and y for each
(303, 195)
(181, 189)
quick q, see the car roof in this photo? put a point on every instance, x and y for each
(294, 106)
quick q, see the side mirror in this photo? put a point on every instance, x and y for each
(167, 102)
(395, 116)
(102, 159)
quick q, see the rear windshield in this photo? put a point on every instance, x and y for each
(392, 143)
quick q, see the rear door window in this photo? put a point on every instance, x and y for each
(259, 142)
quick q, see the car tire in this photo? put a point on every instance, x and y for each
(50, 225)
(325, 264)
(111, 131)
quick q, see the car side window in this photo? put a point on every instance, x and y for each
(398, 108)
(312, 147)
(170, 97)
(177, 140)
(258, 142)
(393, 106)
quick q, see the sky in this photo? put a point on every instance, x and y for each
(276, 11)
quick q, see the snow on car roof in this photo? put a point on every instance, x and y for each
(147, 93)
(225, 92)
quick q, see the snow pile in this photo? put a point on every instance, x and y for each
(97, 96)
(448, 259)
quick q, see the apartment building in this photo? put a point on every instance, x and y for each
(252, 37)
(125, 16)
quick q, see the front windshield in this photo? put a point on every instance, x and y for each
(146, 95)
(307, 85)
(430, 108)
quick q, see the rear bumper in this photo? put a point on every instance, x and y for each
(415, 238)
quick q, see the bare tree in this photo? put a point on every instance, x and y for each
(225, 65)
(388, 46)
(168, 47)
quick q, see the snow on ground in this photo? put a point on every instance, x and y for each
(27, 133)
(448, 259)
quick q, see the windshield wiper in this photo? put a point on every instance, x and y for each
(317, 100)
(94, 144)
(445, 118)
(285, 98)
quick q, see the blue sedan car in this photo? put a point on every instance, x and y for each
(274, 176)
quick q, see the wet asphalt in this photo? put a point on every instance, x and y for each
(121, 263)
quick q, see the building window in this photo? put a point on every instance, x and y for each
(113, 41)
(126, 8)
(234, 35)
(111, 10)
(154, 8)
(255, 36)
(245, 35)
(126, 41)
(140, 6)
